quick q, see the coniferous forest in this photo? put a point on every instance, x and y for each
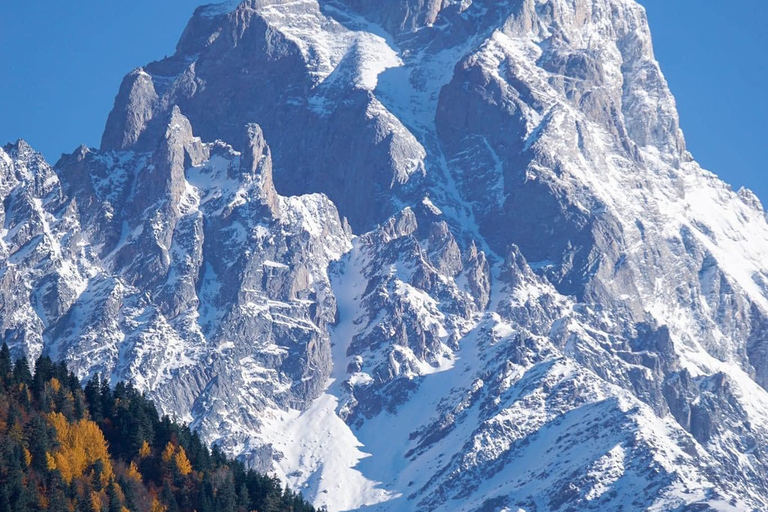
(98, 449)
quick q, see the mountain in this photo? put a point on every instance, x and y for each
(411, 255)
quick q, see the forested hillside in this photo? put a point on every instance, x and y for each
(92, 449)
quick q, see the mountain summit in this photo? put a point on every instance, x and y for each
(443, 255)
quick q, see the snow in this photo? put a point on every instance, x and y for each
(320, 455)
(431, 206)
(274, 264)
(325, 43)
(218, 9)
(5, 158)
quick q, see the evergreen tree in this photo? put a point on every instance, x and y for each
(93, 398)
(72, 381)
(227, 498)
(205, 497)
(21, 495)
(168, 497)
(106, 396)
(272, 503)
(40, 443)
(97, 474)
(114, 498)
(21, 372)
(243, 499)
(130, 493)
(62, 373)
(5, 501)
(57, 500)
(44, 371)
(6, 364)
(85, 503)
(78, 407)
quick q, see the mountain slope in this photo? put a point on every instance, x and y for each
(475, 268)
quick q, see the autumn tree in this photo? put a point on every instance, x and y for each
(81, 444)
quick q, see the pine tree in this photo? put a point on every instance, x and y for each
(106, 397)
(21, 496)
(56, 497)
(44, 371)
(21, 373)
(272, 503)
(5, 502)
(130, 486)
(115, 505)
(78, 406)
(40, 443)
(243, 499)
(198, 453)
(93, 398)
(168, 498)
(227, 498)
(205, 498)
(6, 364)
(97, 475)
(85, 503)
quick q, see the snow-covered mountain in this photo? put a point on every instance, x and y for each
(409, 255)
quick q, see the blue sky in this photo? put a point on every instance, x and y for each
(61, 64)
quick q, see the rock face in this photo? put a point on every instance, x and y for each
(453, 256)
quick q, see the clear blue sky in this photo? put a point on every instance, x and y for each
(61, 64)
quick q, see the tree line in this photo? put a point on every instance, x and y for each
(68, 448)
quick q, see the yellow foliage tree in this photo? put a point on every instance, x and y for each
(55, 384)
(96, 500)
(81, 444)
(50, 461)
(168, 452)
(145, 450)
(176, 455)
(157, 506)
(133, 472)
(183, 466)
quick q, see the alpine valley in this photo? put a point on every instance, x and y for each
(411, 255)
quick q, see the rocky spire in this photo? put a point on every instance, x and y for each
(257, 160)
(176, 149)
(135, 107)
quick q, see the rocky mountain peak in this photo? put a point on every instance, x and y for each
(133, 111)
(400, 16)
